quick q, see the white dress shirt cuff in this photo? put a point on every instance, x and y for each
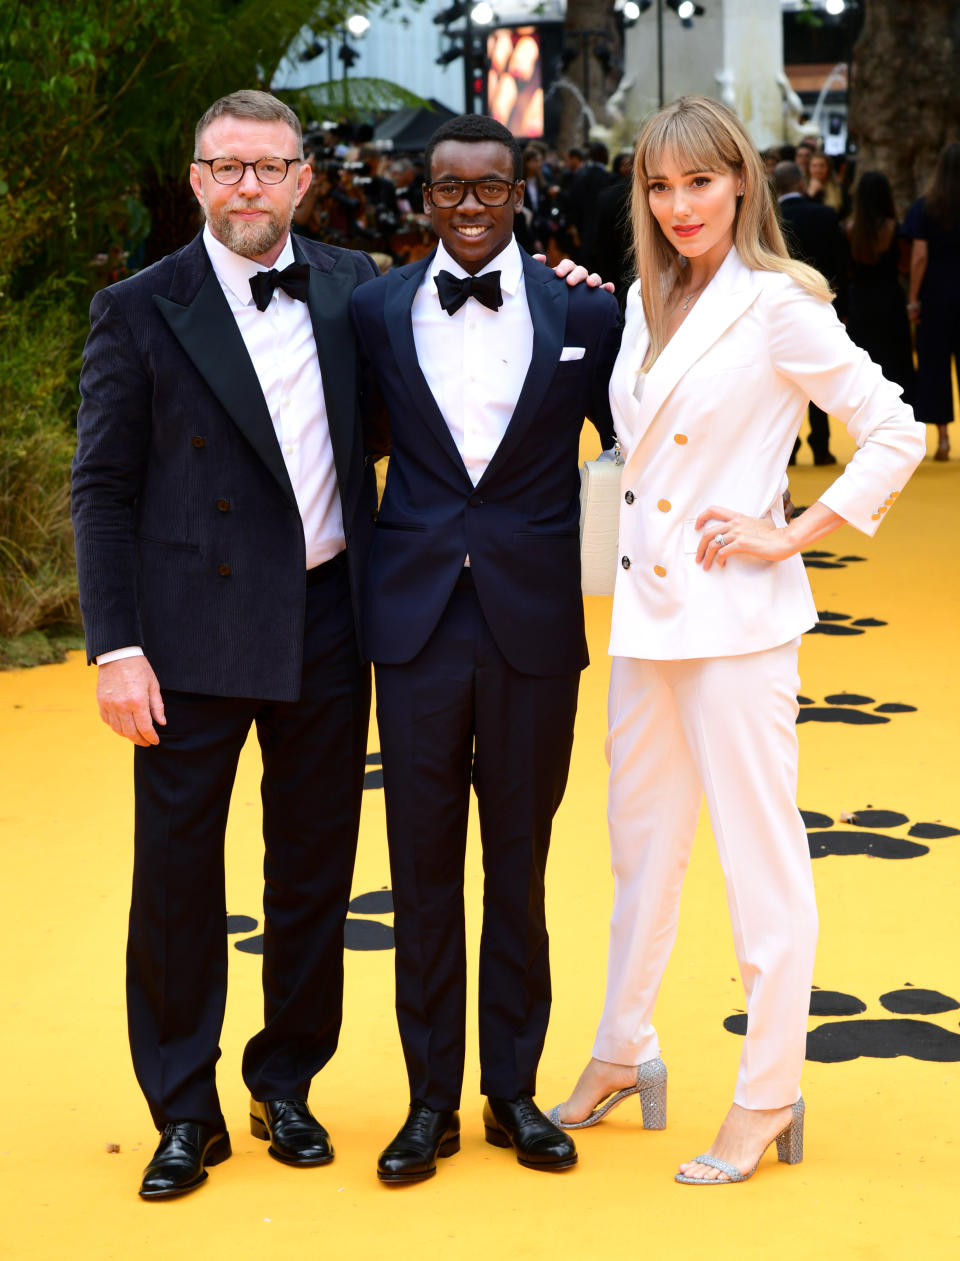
(118, 654)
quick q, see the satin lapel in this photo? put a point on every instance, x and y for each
(547, 301)
(208, 333)
(402, 286)
(723, 301)
(328, 300)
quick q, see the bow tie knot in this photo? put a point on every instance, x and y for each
(453, 291)
(293, 280)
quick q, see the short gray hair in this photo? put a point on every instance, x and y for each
(248, 103)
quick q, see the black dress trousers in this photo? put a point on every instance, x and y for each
(459, 713)
(313, 762)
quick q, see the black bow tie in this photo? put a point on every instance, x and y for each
(293, 280)
(453, 292)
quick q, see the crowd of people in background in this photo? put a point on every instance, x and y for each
(888, 273)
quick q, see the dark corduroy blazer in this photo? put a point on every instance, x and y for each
(189, 540)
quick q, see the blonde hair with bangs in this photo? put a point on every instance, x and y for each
(703, 135)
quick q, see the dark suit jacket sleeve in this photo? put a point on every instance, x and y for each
(373, 408)
(113, 440)
(608, 347)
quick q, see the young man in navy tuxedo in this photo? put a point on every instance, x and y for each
(222, 508)
(472, 614)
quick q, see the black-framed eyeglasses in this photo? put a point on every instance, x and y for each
(232, 170)
(445, 194)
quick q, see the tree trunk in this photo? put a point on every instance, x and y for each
(593, 75)
(904, 103)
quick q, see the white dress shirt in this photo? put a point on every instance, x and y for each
(476, 360)
(282, 348)
(283, 351)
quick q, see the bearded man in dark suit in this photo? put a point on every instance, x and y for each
(222, 507)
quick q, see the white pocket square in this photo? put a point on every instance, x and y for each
(572, 352)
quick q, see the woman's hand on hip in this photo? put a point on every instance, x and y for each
(727, 533)
(730, 533)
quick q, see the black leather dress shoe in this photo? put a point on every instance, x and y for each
(179, 1163)
(520, 1124)
(425, 1135)
(296, 1136)
(824, 457)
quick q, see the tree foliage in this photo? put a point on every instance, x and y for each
(99, 102)
(98, 99)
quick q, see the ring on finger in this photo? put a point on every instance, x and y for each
(719, 540)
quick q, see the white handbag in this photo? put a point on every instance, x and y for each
(600, 522)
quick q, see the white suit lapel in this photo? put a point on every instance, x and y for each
(723, 301)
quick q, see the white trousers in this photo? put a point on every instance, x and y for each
(723, 727)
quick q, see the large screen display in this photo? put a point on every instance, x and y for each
(515, 79)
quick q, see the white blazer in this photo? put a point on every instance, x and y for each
(714, 422)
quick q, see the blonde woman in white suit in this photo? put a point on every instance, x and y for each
(726, 341)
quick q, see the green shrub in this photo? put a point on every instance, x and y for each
(38, 371)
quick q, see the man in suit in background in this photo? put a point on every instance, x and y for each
(222, 507)
(581, 198)
(613, 239)
(473, 617)
(812, 233)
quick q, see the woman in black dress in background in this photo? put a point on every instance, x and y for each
(933, 225)
(877, 306)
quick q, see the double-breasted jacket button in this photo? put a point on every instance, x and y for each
(680, 439)
(223, 571)
(223, 505)
(660, 571)
(629, 496)
(198, 442)
(625, 561)
(663, 505)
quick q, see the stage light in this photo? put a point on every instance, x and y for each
(452, 13)
(835, 7)
(686, 10)
(358, 25)
(454, 53)
(631, 11)
(481, 14)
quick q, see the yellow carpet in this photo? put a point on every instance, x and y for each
(883, 1129)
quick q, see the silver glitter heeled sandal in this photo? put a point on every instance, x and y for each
(789, 1150)
(651, 1086)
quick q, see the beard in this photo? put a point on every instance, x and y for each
(250, 240)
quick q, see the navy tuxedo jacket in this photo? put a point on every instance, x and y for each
(189, 540)
(520, 523)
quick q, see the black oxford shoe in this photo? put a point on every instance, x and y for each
(179, 1163)
(296, 1136)
(425, 1135)
(520, 1124)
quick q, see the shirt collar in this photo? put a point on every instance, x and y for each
(508, 263)
(788, 197)
(234, 271)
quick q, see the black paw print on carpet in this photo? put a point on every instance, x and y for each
(849, 707)
(842, 624)
(849, 1039)
(359, 933)
(848, 839)
(828, 560)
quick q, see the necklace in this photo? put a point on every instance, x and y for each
(690, 297)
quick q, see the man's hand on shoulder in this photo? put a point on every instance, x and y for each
(575, 274)
(129, 699)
